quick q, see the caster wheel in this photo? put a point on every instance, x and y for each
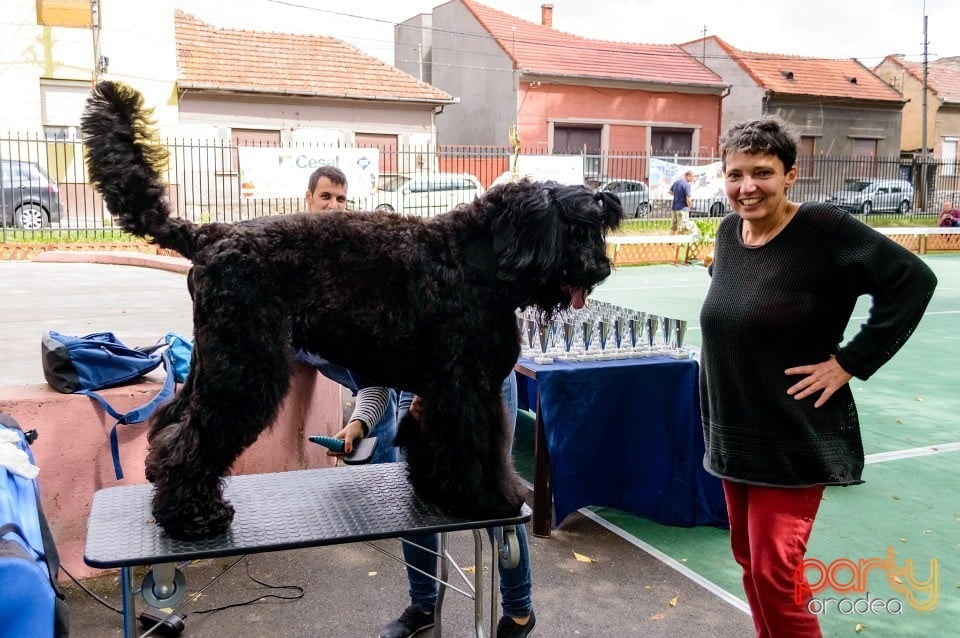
(509, 548)
(160, 596)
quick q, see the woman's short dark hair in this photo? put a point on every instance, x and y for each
(766, 135)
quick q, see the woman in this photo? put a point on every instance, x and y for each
(779, 418)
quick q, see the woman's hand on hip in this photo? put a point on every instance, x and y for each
(825, 377)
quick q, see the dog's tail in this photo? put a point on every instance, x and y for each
(124, 163)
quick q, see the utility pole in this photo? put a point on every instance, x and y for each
(703, 58)
(99, 61)
(923, 125)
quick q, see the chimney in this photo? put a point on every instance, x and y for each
(546, 15)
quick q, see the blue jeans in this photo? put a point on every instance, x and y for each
(515, 583)
(385, 430)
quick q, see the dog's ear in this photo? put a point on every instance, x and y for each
(611, 209)
(527, 228)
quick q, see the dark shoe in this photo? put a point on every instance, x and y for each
(507, 628)
(410, 623)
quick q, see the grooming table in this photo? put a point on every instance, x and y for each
(288, 510)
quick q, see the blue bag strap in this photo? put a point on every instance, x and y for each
(135, 415)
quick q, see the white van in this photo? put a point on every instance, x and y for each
(421, 194)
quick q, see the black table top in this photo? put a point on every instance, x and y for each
(277, 511)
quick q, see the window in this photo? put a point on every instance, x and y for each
(948, 156)
(806, 157)
(671, 141)
(577, 140)
(864, 153)
(64, 13)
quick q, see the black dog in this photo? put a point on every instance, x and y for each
(424, 305)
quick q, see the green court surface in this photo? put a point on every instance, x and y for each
(907, 514)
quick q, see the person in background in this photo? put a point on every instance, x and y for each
(949, 216)
(326, 190)
(518, 619)
(682, 201)
(779, 418)
(375, 407)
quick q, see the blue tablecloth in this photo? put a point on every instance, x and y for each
(626, 434)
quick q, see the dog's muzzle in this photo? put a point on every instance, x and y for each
(578, 296)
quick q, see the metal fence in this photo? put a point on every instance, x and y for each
(204, 179)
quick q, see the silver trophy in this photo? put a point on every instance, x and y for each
(679, 332)
(543, 334)
(568, 330)
(586, 338)
(667, 336)
(653, 326)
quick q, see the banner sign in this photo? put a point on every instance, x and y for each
(277, 172)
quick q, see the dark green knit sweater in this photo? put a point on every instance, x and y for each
(786, 304)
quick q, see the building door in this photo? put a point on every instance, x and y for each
(388, 146)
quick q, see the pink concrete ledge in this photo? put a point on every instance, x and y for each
(73, 446)
(120, 258)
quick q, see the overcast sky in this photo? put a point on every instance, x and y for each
(863, 29)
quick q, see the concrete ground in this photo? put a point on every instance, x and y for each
(588, 581)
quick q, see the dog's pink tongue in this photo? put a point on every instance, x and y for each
(578, 298)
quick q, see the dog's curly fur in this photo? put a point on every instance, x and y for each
(421, 304)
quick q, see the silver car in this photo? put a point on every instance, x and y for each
(29, 199)
(869, 195)
(634, 195)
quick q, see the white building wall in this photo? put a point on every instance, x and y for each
(137, 37)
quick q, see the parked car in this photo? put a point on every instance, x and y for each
(709, 202)
(29, 199)
(874, 195)
(422, 194)
(634, 195)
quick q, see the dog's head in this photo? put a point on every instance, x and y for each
(549, 240)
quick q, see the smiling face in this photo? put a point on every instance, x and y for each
(756, 184)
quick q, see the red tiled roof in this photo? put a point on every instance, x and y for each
(535, 48)
(943, 76)
(286, 64)
(796, 75)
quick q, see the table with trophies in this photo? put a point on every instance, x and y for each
(615, 392)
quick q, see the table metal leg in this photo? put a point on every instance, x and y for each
(129, 605)
(542, 489)
(443, 558)
(495, 543)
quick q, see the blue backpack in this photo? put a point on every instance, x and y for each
(82, 365)
(32, 603)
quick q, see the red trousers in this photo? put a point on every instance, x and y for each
(769, 529)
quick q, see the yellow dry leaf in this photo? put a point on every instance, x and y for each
(647, 587)
(469, 569)
(897, 580)
(658, 616)
(582, 558)
(859, 627)
(673, 601)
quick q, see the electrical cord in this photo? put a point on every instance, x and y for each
(246, 562)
